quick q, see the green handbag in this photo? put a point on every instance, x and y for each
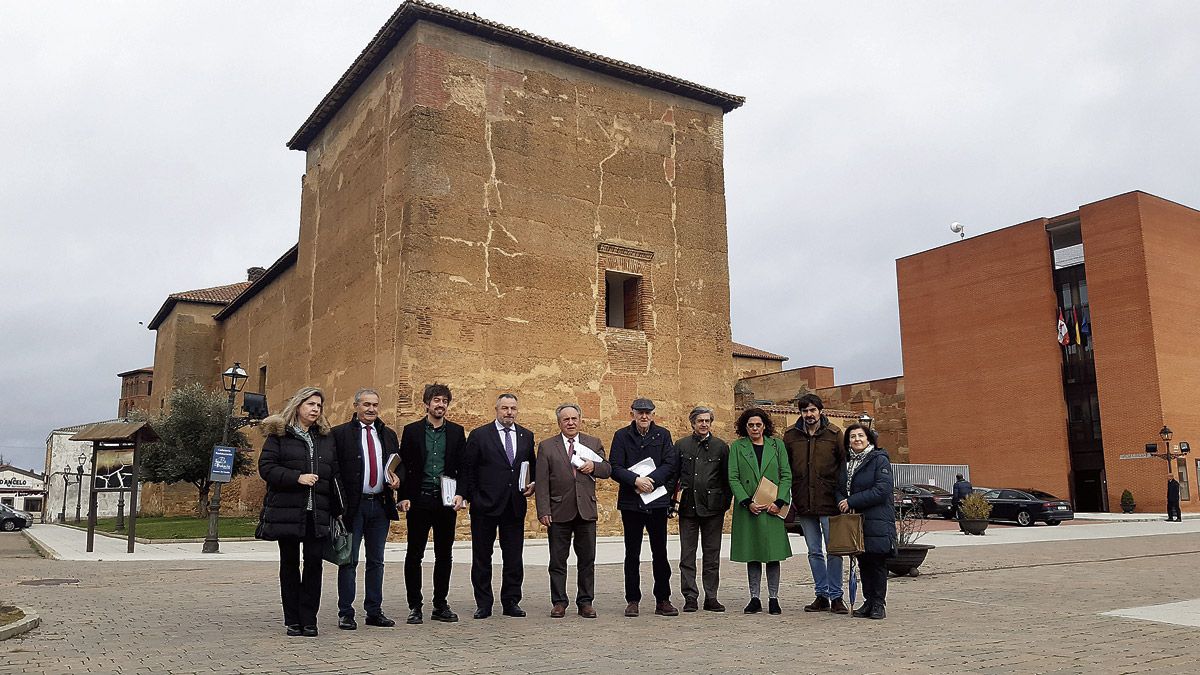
(338, 546)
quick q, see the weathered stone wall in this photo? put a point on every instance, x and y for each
(457, 217)
(186, 350)
(783, 385)
(745, 366)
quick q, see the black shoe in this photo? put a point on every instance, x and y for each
(754, 607)
(713, 605)
(415, 617)
(348, 623)
(310, 631)
(443, 613)
(773, 604)
(482, 613)
(862, 612)
(514, 610)
(294, 630)
(379, 620)
(690, 605)
(877, 612)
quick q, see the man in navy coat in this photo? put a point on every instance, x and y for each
(497, 458)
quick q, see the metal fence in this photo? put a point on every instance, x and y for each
(941, 475)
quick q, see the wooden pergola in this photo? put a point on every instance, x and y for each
(115, 437)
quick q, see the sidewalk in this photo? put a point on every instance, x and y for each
(65, 543)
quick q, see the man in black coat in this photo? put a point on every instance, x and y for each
(364, 445)
(962, 490)
(1173, 511)
(498, 457)
(631, 445)
(430, 448)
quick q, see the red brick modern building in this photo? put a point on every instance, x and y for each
(989, 384)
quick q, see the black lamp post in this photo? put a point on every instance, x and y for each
(79, 491)
(62, 514)
(866, 420)
(231, 380)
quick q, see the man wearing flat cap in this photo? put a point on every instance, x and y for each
(645, 464)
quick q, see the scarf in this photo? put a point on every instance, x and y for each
(303, 435)
(853, 461)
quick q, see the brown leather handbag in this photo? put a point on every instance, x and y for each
(846, 534)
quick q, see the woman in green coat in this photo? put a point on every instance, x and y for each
(758, 532)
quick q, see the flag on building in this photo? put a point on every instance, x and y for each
(1075, 321)
(1086, 328)
(1064, 335)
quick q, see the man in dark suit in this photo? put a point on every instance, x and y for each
(632, 445)
(430, 448)
(568, 465)
(491, 477)
(364, 445)
(1173, 511)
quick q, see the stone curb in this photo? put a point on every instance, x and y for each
(24, 625)
(142, 540)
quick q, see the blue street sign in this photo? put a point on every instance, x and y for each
(221, 470)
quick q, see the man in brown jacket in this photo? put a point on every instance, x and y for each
(815, 451)
(566, 470)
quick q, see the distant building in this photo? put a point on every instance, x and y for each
(21, 489)
(990, 384)
(137, 388)
(748, 361)
(64, 460)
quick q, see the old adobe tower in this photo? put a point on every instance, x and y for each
(496, 211)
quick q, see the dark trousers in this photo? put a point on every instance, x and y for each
(370, 524)
(872, 569)
(301, 591)
(707, 531)
(584, 534)
(1173, 512)
(512, 539)
(653, 523)
(422, 517)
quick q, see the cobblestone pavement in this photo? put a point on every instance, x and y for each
(1032, 608)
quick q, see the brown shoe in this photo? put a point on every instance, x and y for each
(558, 612)
(631, 609)
(821, 604)
(838, 606)
(665, 608)
(586, 611)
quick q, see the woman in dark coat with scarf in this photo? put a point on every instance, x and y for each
(865, 487)
(298, 462)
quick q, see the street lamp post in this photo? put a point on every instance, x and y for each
(1180, 450)
(62, 513)
(231, 379)
(866, 420)
(79, 490)
(1165, 434)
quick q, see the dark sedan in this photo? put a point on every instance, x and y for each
(1027, 507)
(933, 500)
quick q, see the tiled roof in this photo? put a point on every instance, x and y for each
(81, 427)
(740, 349)
(26, 472)
(216, 294)
(414, 10)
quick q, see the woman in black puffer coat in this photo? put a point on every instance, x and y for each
(865, 486)
(299, 463)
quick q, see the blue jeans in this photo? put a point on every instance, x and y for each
(826, 570)
(370, 523)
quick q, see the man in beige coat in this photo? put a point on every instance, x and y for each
(566, 471)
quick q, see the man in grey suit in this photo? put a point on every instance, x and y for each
(565, 493)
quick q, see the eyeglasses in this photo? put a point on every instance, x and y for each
(755, 425)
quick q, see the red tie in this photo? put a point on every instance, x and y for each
(374, 474)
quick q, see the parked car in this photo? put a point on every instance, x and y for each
(1027, 507)
(12, 519)
(933, 500)
(903, 502)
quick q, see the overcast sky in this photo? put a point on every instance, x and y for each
(144, 153)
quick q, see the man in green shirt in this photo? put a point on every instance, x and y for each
(430, 448)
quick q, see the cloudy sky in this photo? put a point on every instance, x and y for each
(144, 153)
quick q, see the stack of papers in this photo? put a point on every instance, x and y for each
(644, 468)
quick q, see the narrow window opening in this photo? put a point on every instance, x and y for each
(622, 293)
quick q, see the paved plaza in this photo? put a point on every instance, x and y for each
(1121, 602)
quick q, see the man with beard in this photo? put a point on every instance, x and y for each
(364, 445)
(491, 476)
(430, 448)
(815, 452)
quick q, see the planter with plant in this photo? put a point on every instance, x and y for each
(1127, 503)
(910, 527)
(975, 513)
